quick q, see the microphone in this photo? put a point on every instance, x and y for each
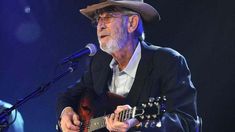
(90, 49)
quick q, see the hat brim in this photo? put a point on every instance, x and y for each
(146, 11)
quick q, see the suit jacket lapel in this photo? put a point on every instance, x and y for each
(102, 74)
(145, 66)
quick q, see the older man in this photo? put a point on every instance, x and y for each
(132, 69)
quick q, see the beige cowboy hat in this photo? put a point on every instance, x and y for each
(146, 11)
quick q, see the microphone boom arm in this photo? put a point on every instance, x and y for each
(43, 88)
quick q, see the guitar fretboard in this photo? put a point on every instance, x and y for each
(125, 115)
(98, 123)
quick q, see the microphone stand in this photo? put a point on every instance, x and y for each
(43, 88)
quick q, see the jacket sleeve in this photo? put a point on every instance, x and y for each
(72, 96)
(176, 85)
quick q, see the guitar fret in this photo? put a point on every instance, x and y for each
(129, 114)
(126, 115)
(96, 123)
(121, 116)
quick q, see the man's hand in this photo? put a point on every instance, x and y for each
(69, 120)
(113, 124)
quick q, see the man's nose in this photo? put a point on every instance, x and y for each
(101, 25)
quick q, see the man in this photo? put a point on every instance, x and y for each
(15, 118)
(130, 68)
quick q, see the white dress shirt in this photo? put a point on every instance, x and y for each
(122, 80)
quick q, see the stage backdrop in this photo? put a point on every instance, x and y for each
(36, 35)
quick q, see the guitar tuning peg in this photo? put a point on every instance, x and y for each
(164, 110)
(146, 124)
(156, 103)
(151, 99)
(159, 124)
(148, 116)
(154, 116)
(150, 104)
(164, 98)
(144, 105)
(158, 99)
(153, 124)
(142, 117)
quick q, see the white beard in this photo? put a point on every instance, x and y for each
(115, 44)
(111, 46)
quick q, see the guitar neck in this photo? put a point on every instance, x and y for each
(98, 123)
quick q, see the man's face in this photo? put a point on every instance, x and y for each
(112, 31)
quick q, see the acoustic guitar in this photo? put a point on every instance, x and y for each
(89, 105)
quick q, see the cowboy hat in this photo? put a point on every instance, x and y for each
(146, 11)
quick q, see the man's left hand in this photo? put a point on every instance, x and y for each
(114, 125)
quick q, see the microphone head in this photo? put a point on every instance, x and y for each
(92, 49)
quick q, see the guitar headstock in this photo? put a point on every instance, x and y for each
(151, 112)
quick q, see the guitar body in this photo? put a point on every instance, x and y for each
(85, 111)
(92, 105)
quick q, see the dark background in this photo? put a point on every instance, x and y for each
(36, 34)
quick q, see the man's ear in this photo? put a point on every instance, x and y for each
(133, 22)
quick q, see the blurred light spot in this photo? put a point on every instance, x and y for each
(27, 9)
(28, 32)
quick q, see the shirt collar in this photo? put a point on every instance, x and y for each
(132, 65)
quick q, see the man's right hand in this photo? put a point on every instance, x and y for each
(69, 120)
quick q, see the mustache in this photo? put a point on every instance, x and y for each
(103, 33)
